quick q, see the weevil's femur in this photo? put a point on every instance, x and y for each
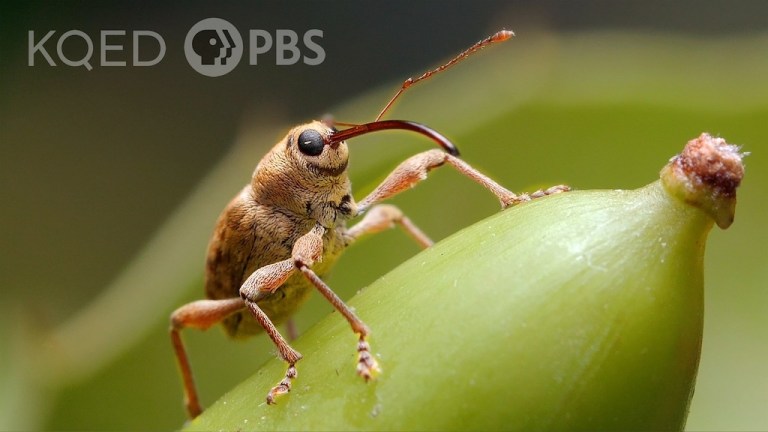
(376, 126)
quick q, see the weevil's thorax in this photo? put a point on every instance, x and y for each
(304, 176)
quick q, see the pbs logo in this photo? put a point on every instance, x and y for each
(213, 47)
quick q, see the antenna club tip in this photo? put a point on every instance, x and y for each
(502, 35)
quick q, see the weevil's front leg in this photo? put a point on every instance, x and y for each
(415, 169)
(267, 279)
(200, 314)
(261, 282)
(385, 216)
(367, 367)
(307, 250)
(288, 354)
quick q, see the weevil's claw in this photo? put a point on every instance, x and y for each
(525, 197)
(276, 391)
(367, 366)
(284, 386)
(551, 191)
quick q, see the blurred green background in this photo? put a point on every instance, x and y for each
(112, 178)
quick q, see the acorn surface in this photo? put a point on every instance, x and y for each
(581, 310)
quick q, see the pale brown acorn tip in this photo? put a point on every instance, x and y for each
(706, 174)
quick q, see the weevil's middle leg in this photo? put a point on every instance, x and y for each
(415, 169)
(385, 216)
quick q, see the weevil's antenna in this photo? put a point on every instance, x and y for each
(500, 36)
(362, 129)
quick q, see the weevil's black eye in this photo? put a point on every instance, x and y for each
(311, 142)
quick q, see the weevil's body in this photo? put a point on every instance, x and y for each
(276, 239)
(288, 195)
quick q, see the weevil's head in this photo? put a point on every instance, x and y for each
(318, 150)
(306, 172)
(306, 158)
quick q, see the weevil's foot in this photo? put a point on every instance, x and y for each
(551, 191)
(367, 367)
(284, 386)
(525, 197)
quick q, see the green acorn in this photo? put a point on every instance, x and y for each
(581, 310)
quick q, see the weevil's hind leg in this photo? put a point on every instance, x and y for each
(367, 367)
(415, 169)
(385, 216)
(200, 314)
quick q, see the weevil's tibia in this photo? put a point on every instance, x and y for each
(415, 169)
(496, 37)
(506, 197)
(191, 400)
(201, 315)
(367, 367)
(286, 353)
(384, 216)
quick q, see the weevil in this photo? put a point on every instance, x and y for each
(278, 238)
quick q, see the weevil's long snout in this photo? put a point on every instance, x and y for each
(376, 126)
